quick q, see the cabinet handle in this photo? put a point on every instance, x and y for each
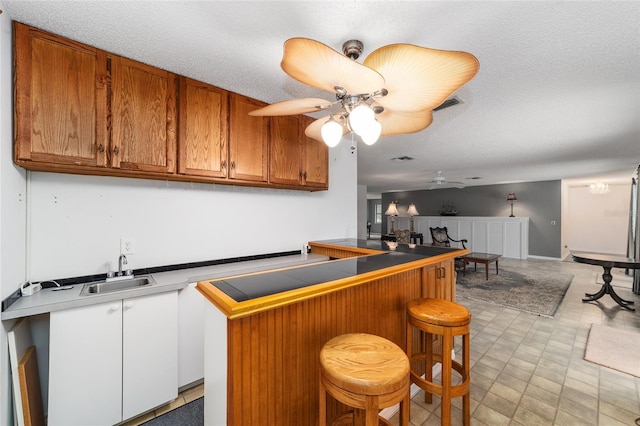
(100, 148)
(304, 174)
(440, 273)
(115, 307)
(116, 150)
(233, 164)
(224, 164)
(128, 305)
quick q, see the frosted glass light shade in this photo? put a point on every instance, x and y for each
(372, 133)
(331, 132)
(360, 119)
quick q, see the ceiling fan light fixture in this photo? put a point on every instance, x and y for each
(372, 133)
(361, 119)
(331, 132)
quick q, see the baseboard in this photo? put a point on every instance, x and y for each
(544, 257)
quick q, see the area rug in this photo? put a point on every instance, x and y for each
(189, 414)
(535, 290)
(614, 348)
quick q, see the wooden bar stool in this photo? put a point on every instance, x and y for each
(365, 372)
(446, 319)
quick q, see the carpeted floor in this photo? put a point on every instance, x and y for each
(614, 348)
(190, 414)
(535, 290)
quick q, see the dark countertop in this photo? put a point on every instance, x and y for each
(251, 287)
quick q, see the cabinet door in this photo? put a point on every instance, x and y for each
(143, 104)
(285, 159)
(85, 365)
(149, 352)
(248, 140)
(202, 138)
(60, 100)
(315, 170)
(191, 306)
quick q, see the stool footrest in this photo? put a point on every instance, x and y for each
(346, 419)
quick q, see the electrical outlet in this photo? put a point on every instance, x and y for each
(127, 245)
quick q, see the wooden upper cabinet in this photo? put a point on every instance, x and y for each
(286, 153)
(60, 100)
(316, 158)
(297, 160)
(203, 112)
(248, 140)
(143, 118)
(79, 109)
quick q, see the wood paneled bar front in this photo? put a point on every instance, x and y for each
(264, 331)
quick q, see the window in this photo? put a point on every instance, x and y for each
(378, 215)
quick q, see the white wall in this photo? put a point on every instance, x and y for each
(598, 223)
(57, 225)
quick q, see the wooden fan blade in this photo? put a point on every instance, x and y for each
(319, 66)
(293, 107)
(419, 78)
(401, 122)
(314, 130)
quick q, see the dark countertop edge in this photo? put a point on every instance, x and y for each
(244, 308)
(16, 295)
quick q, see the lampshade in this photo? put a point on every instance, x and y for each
(372, 133)
(392, 210)
(511, 197)
(361, 119)
(412, 211)
(331, 132)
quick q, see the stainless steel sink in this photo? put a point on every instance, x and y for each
(112, 286)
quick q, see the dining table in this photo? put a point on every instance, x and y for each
(607, 262)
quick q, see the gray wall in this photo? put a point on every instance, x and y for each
(540, 201)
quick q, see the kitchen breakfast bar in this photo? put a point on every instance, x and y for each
(264, 331)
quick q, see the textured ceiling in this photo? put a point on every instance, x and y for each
(557, 95)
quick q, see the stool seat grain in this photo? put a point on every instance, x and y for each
(366, 372)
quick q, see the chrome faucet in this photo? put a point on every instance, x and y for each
(122, 260)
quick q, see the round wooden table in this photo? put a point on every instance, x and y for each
(607, 261)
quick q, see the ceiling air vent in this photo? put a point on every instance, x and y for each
(403, 158)
(448, 103)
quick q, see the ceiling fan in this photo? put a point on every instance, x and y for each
(394, 90)
(440, 181)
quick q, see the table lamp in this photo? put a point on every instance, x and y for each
(511, 197)
(412, 211)
(392, 211)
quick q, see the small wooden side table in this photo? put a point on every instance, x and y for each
(476, 258)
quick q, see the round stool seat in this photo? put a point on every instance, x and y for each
(364, 364)
(367, 373)
(439, 312)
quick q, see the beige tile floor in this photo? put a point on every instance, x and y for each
(528, 370)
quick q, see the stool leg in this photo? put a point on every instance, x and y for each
(445, 407)
(405, 408)
(322, 402)
(372, 410)
(359, 417)
(428, 368)
(466, 398)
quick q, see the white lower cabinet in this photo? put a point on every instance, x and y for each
(190, 335)
(112, 361)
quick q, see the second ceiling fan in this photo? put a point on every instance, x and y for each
(394, 90)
